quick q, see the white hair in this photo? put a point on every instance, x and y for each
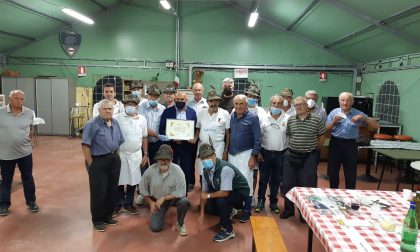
(240, 97)
(228, 81)
(104, 102)
(16, 91)
(276, 97)
(311, 92)
(346, 94)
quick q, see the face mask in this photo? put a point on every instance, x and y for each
(311, 103)
(227, 91)
(285, 103)
(130, 110)
(207, 163)
(153, 103)
(276, 111)
(252, 102)
(180, 104)
(136, 93)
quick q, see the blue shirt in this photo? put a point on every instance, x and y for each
(346, 128)
(101, 138)
(245, 133)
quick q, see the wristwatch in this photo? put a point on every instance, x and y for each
(208, 196)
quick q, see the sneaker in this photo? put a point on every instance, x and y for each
(4, 211)
(182, 230)
(117, 211)
(224, 235)
(140, 200)
(33, 207)
(131, 210)
(100, 227)
(245, 217)
(233, 213)
(274, 208)
(111, 222)
(259, 207)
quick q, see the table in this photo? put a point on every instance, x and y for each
(338, 237)
(399, 155)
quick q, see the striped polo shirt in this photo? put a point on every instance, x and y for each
(303, 134)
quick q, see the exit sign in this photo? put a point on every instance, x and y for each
(322, 76)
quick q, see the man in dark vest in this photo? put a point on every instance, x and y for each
(224, 189)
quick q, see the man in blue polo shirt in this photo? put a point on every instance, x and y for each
(101, 140)
(344, 124)
(245, 145)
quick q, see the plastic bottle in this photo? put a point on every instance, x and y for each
(417, 200)
(409, 230)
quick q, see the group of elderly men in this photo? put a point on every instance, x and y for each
(125, 146)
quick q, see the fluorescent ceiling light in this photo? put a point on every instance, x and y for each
(165, 4)
(252, 19)
(77, 16)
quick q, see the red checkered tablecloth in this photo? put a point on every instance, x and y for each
(339, 237)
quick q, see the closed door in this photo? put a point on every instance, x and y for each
(60, 107)
(44, 105)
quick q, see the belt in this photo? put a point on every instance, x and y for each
(301, 153)
(344, 140)
(262, 149)
(114, 153)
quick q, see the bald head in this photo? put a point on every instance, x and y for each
(198, 91)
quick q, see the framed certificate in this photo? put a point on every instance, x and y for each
(179, 129)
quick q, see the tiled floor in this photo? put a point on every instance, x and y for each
(63, 223)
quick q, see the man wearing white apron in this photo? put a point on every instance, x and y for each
(213, 123)
(245, 145)
(134, 130)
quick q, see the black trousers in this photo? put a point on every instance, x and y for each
(126, 195)
(223, 207)
(8, 170)
(185, 158)
(299, 174)
(271, 171)
(104, 173)
(342, 151)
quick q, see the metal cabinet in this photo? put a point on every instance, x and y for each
(54, 99)
(27, 85)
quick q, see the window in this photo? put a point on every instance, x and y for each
(388, 102)
(98, 90)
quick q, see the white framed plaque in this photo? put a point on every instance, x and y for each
(179, 129)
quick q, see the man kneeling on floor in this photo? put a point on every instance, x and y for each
(163, 185)
(224, 188)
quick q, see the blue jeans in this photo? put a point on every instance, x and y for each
(7, 172)
(271, 171)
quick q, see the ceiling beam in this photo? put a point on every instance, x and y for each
(373, 21)
(17, 35)
(394, 17)
(294, 34)
(103, 7)
(302, 15)
(31, 10)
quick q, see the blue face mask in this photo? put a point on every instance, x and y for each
(252, 102)
(207, 163)
(130, 110)
(153, 103)
(276, 111)
(138, 93)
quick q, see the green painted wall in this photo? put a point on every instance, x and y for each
(211, 32)
(408, 82)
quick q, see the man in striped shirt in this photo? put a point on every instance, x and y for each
(306, 136)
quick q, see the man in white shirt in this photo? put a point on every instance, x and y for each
(274, 142)
(109, 94)
(213, 123)
(197, 103)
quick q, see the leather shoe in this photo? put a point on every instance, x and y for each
(286, 214)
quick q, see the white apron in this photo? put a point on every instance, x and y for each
(133, 131)
(240, 161)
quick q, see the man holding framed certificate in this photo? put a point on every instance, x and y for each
(178, 124)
